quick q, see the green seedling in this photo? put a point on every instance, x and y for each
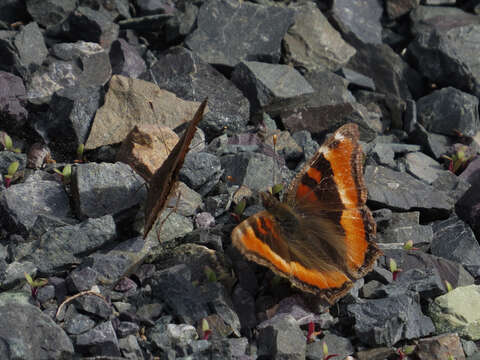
(12, 169)
(409, 245)
(206, 329)
(276, 189)
(35, 284)
(80, 150)
(448, 286)
(66, 173)
(210, 274)
(394, 268)
(326, 356)
(458, 161)
(8, 144)
(239, 209)
(405, 351)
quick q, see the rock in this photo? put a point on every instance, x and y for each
(263, 84)
(51, 12)
(99, 341)
(125, 60)
(8, 157)
(423, 167)
(13, 274)
(356, 79)
(364, 25)
(12, 111)
(400, 191)
(448, 110)
(184, 200)
(305, 49)
(81, 279)
(469, 347)
(451, 184)
(21, 204)
(201, 171)
(19, 324)
(130, 348)
(93, 305)
(226, 43)
(440, 347)
(282, 339)
(395, 8)
(76, 323)
(129, 102)
(389, 320)
(100, 189)
(336, 345)
(454, 240)
(170, 226)
(434, 145)
(458, 311)
(404, 227)
(184, 73)
(383, 155)
(31, 47)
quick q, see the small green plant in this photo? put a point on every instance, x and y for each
(458, 161)
(405, 351)
(409, 245)
(394, 268)
(326, 356)
(206, 329)
(66, 173)
(210, 274)
(277, 188)
(239, 209)
(12, 169)
(80, 150)
(35, 284)
(8, 143)
(448, 286)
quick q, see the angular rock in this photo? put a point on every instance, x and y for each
(81, 279)
(389, 320)
(93, 60)
(397, 8)
(264, 83)
(400, 191)
(305, 49)
(170, 226)
(404, 227)
(13, 274)
(31, 46)
(12, 112)
(76, 323)
(360, 19)
(130, 348)
(129, 102)
(446, 48)
(440, 347)
(184, 73)
(448, 110)
(227, 32)
(451, 184)
(21, 204)
(201, 171)
(423, 167)
(336, 345)
(184, 200)
(356, 79)
(99, 341)
(100, 189)
(432, 144)
(282, 339)
(20, 335)
(93, 305)
(125, 60)
(51, 12)
(59, 248)
(454, 240)
(384, 155)
(458, 311)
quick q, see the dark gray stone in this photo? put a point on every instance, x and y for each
(126, 328)
(27, 333)
(400, 191)
(446, 47)
(448, 110)
(12, 111)
(130, 348)
(99, 341)
(434, 145)
(383, 154)
(46, 293)
(150, 311)
(263, 84)
(451, 184)
(11, 11)
(282, 339)
(100, 189)
(468, 206)
(397, 8)
(201, 171)
(173, 287)
(244, 304)
(21, 204)
(13, 274)
(389, 320)
(356, 79)
(454, 240)
(51, 12)
(404, 227)
(423, 167)
(359, 18)
(227, 32)
(81, 279)
(183, 72)
(125, 60)
(31, 46)
(76, 323)
(336, 345)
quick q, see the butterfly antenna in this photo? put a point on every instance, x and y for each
(175, 208)
(274, 139)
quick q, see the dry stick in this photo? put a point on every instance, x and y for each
(87, 292)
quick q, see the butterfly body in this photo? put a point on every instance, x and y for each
(320, 236)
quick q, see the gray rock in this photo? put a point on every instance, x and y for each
(432, 144)
(397, 8)
(130, 348)
(423, 167)
(100, 189)
(227, 32)
(51, 12)
(263, 84)
(76, 323)
(400, 191)
(305, 49)
(448, 110)
(14, 273)
(336, 345)
(8, 157)
(389, 320)
(404, 227)
(446, 47)
(21, 204)
(13, 113)
(99, 341)
(21, 338)
(454, 240)
(170, 226)
(282, 339)
(201, 171)
(184, 200)
(81, 279)
(359, 18)
(93, 305)
(356, 79)
(451, 184)
(469, 347)
(184, 73)
(31, 46)
(125, 60)
(383, 154)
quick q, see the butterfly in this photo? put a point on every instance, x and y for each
(163, 179)
(321, 235)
